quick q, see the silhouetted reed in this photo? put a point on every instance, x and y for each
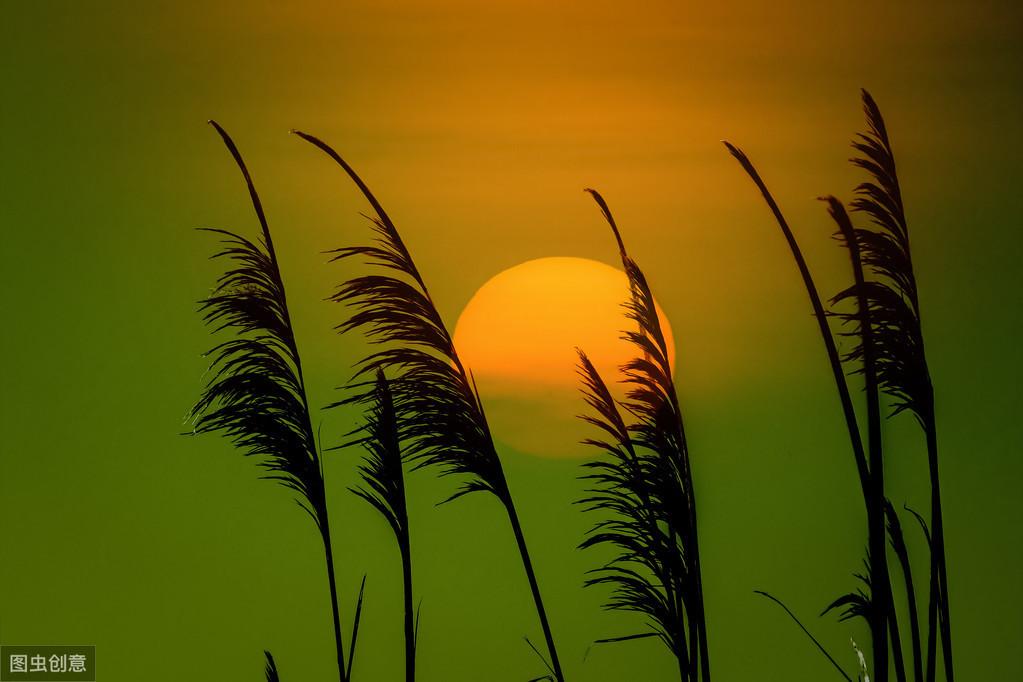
(442, 418)
(864, 359)
(643, 485)
(256, 394)
(888, 352)
(383, 487)
(894, 307)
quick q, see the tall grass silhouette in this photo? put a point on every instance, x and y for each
(383, 487)
(422, 410)
(881, 307)
(879, 611)
(856, 603)
(643, 487)
(442, 418)
(893, 299)
(256, 394)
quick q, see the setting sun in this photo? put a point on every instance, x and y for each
(519, 333)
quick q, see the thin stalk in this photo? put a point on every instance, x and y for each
(502, 493)
(932, 616)
(872, 476)
(897, 658)
(822, 320)
(937, 616)
(383, 487)
(908, 379)
(527, 564)
(338, 640)
(405, 548)
(694, 651)
(699, 659)
(410, 632)
(696, 614)
(938, 550)
(820, 647)
(698, 622)
(683, 669)
(914, 625)
(899, 545)
(686, 659)
(880, 581)
(698, 610)
(307, 426)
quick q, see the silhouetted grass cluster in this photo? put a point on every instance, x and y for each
(441, 417)
(880, 312)
(422, 411)
(643, 486)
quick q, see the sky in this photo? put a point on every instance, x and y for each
(478, 125)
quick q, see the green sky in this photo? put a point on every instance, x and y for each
(478, 128)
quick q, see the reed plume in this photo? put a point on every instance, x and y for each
(383, 487)
(903, 373)
(864, 359)
(256, 394)
(645, 484)
(889, 351)
(442, 418)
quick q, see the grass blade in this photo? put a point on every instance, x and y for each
(802, 627)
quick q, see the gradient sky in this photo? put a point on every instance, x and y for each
(478, 127)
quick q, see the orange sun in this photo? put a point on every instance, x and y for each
(518, 336)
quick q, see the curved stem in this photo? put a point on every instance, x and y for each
(802, 627)
(500, 487)
(821, 317)
(338, 640)
(409, 624)
(883, 613)
(534, 588)
(292, 349)
(938, 553)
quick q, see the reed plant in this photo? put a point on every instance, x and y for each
(383, 487)
(642, 486)
(256, 392)
(443, 422)
(881, 313)
(903, 376)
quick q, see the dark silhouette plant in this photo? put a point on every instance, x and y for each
(429, 414)
(894, 307)
(888, 350)
(442, 418)
(383, 487)
(256, 393)
(644, 488)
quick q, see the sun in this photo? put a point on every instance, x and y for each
(518, 336)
